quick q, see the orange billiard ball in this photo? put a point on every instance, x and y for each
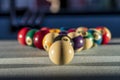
(55, 30)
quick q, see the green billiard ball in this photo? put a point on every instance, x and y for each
(29, 37)
(88, 39)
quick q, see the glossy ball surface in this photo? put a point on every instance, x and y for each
(88, 40)
(87, 36)
(63, 29)
(78, 43)
(29, 37)
(55, 30)
(71, 30)
(38, 38)
(48, 40)
(61, 52)
(64, 38)
(97, 37)
(63, 33)
(44, 28)
(81, 31)
(106, 34)
(22, 35)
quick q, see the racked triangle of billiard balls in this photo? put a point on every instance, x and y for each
(61, 44)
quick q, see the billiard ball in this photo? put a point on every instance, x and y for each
(78, 43)
(97, 37)
(48, 40)
(106, 34)
(29, 37)
(71, 34)
(38, 38)
(55, 30)
(81, 31)
(63, 29)
(63, 33)
(87, 36)
(71, 30)
(44, 28)
(61, 51)
(60, 37)
(22, 35)
(88, 40)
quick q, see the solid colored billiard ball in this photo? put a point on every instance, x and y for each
(78, 43)
(63, 29)
(55, 30)
(38, 38)
(29, 37)
(45, 28)
(48, 40)
(106, 34)
(61, 51)
(97, 37)
(22, 35)
(71, 30)
(87, 36)
(63, 33)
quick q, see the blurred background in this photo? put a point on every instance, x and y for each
(15, 14)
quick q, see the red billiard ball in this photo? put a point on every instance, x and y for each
(45, 28)
(38, 38)
(71, 30)
(106, 34)
(22, 35)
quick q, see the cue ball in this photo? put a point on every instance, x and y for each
(106, 34)
(29, 37)
(48, 40)
(61, 51)
(22, 35)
